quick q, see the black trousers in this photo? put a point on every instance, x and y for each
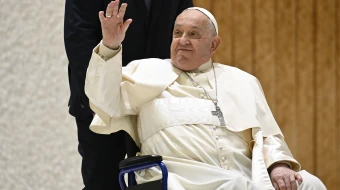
(101, 155)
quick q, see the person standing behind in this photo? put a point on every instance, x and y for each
(149, 35)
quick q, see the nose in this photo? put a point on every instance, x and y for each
(183, 40)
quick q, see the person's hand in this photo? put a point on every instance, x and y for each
(283, 178)
(113, 25)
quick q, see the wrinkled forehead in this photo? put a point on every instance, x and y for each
(198, 15)
(191, 18)
(192, 13)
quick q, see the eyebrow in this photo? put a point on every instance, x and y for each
(179, 25)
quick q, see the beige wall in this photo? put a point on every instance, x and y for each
(293, 48)
(38, 142)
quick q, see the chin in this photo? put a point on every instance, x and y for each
(183, 65)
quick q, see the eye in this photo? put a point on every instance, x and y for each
(177, 33)
(194, 34)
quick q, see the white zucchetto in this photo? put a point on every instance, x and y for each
(208, 14)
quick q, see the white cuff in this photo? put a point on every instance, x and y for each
(107, 53)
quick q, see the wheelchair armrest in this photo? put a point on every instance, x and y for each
(137, 160)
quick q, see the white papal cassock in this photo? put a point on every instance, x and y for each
(166, 114)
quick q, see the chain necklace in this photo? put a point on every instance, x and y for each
(218, 111)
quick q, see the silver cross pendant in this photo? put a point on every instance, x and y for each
(219, 114)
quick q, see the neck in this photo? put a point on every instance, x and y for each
(204, 67)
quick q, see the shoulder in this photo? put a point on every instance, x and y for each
(151, 66)
(234, 72)
(150, 62)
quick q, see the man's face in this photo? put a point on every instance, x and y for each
(193, 42)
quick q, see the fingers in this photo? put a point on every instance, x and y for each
(114, 19)
(126, 25)
(276, 186)
(298, 178)
(122, 10)
(293, 182)
(287, 182)
(282, 185)
(115, 8)
(109, 9)
(112, 9)
(101, 16)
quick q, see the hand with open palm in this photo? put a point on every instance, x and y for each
(113, 25)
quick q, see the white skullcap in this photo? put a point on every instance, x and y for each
(208, 14)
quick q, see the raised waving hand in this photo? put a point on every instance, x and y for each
(113, 25)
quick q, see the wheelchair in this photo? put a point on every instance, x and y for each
(132, 164)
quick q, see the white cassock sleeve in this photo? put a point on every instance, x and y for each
(103, 84)
(115, 91)
(275, 149)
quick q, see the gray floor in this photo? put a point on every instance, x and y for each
(38, 142)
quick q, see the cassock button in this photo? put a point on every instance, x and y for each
(223, 158)
(216, 137)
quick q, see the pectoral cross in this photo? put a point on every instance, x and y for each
(219, 114)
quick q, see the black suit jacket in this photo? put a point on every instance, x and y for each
(149, 35)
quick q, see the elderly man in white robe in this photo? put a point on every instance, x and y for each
(210, 122)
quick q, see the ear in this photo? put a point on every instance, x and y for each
(214, 44)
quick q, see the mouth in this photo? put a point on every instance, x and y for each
(183, 49)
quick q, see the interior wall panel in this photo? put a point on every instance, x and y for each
(337, 182)
(264, 49)
(293, 48)
(305, 104)
(285, 70)
(326, 138)
(223, 7)
(242, 42)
